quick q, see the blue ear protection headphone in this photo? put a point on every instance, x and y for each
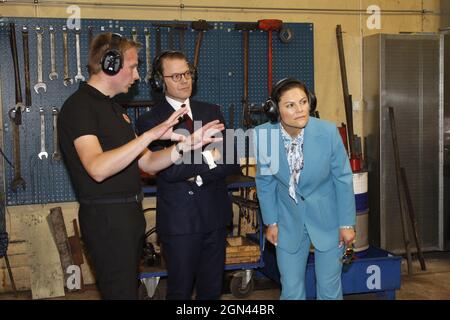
(271, 106)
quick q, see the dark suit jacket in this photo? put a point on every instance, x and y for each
(182, 206)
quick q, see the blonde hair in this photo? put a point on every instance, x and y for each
(101, 44)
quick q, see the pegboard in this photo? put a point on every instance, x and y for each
(220, 81)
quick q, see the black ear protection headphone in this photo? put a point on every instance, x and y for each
(112, 60)
(157, 78)
(271, 106)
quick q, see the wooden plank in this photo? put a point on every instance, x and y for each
(243, 254)
(58, 229)
(47, 279)
(21, 278)
(15, 260)
(241, 260)
(243, 249)
(19, 248)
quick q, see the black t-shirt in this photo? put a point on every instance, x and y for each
(89, 112)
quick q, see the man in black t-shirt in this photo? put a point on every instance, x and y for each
(103, 157)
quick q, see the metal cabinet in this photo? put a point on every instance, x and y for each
(404, 72)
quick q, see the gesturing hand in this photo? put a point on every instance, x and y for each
(164, 131)
(203, 136)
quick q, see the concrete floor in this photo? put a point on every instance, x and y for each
(432, 284)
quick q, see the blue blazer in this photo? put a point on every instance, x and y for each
(325, 194)
(183, 207)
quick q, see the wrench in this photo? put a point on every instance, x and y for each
(134, 34)
(18, 90)
(90, 35)
(56, 155)
(67, 79)
(148, 62)
(14, 114)
(79, 76)
(40, 82)
(43, 153)
(26, 66)
(53, 74)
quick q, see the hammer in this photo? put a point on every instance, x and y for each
(269, 25)
(246, 27)
(200, 26)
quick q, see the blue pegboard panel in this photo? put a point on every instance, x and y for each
(220, 81)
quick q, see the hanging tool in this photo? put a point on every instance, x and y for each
(40, 81)
(43, 153)
(134, 34)
(148, 60)
(285, 35)
(15, 114)
(412, 217)
(200, 26)
(53, 74)
(78, 76)
(355, 162)
(269, 25)
(90, 36)
(56, 155)
(245, 28)
(67, 79)
(231, 116)
(180, 28)
(26, 64)
(18, 90)
(399, 190)
(157, 41)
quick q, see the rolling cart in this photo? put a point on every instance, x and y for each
(242, 281)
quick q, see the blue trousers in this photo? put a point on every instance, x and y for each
(328, 268)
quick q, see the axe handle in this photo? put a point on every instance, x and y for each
(198, 44)
(269, 62)
(158, 41)
(246, 110)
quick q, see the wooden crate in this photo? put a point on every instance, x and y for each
(241, 250)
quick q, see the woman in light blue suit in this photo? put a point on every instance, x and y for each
(305, 190)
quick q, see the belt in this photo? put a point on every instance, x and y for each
(131, 199)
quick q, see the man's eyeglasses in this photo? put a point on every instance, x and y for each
(176, 77)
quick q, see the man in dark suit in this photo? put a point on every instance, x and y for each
(193, 207)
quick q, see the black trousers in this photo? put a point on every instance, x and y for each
(113, 235)
(195, 258)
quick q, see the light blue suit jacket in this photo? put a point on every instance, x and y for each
(325, 194)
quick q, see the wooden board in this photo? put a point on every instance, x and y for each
(47, 280)
(241, 260)
(19, 247)
(240, 250)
